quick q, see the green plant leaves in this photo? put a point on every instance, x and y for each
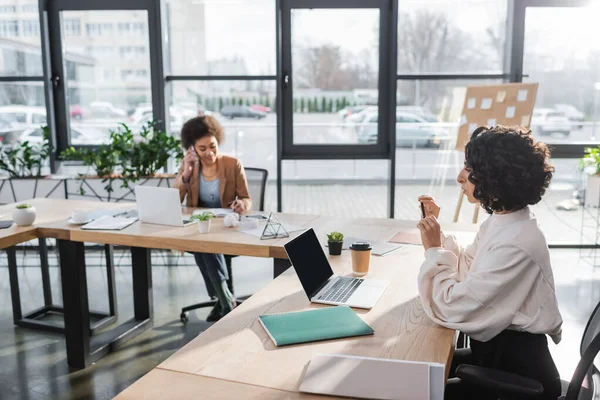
(129, 159)
(26, 159)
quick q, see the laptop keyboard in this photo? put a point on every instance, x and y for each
(341, 290)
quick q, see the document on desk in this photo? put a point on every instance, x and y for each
(108, 223)
(413, 236)
(373, 378)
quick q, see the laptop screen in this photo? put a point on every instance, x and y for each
(309, 261)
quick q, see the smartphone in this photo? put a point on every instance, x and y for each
(422, 210)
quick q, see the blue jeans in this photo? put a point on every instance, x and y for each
(213, 269)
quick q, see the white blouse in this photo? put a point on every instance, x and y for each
(502, 281)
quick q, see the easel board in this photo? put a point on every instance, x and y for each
(491, 105)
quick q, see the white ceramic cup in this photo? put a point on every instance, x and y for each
(80, 215)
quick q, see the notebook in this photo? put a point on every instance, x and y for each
(413, 236)
(373, 378)
(314, 325)
(108, 223)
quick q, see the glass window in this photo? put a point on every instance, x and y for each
(72, 27)
(31, 27)
(244, 108)
(104, 88)
(563, 56)
(99, 29)
(30, 8)
(8, 9)
(9, 28)
(350, 188)
(132, 28)
(451, 36)
(200, 45)
(332, 72)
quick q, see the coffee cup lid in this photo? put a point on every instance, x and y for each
(361, 246)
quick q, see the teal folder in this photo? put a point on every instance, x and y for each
(314, 325)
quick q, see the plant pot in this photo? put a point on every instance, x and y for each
(24, 216)
(592, 191)
(335, 248)
(204, 226)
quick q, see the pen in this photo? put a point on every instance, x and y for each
(422, 210)
(234, 203)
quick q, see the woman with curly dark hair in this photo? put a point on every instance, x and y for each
(209, 179)
(500, 289)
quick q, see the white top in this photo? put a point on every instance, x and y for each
(502, 281)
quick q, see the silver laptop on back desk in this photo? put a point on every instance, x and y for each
(161, 206)
(320, 283)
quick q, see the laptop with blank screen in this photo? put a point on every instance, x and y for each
(321, 284)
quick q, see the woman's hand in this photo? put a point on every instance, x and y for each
(431, 232)
(238, 206)
(431, 207)
(188, 163)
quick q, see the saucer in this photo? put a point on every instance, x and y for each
(71, 222)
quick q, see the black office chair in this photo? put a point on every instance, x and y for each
(257, 185)
(510, 386)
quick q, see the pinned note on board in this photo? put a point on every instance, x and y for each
(471, 103)
(472, 128)
(510, 112)
(500, 96)
(525, 119)
(491, 122)
(486, 104)
(522, 96)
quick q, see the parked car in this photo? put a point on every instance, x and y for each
(79, 113)
(546, 121)
(177, 115)
(231, 112)
(23, 116)
(79, 136)
(574, 115)
(419, 111)
(347, 111)
(406, 136)
(260, 107)
(105, 109)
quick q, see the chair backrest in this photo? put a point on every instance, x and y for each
(582, 385)
(257, 185)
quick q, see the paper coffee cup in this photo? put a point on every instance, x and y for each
(361, 258)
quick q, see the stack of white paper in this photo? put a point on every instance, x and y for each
(373, 378)
(108, 223)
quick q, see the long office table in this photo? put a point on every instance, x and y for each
(236, 358)
(236, 352)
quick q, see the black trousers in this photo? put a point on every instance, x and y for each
(521, 353)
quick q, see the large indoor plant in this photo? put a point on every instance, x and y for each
(590, 164)
(127, 157)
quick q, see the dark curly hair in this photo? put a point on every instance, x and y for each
(198, 127)
(508, 168)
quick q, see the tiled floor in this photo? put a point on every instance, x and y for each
(33, 364)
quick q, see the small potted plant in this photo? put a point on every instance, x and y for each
(203, 221)
(335, 240)
(23, 215)
(590, 164)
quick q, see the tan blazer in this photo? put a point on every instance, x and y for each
(232, 182)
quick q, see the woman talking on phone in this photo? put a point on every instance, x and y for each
(208, 179)
(500, 289)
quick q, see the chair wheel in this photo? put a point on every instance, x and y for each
(183, 317)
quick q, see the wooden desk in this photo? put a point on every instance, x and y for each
(160, 384)
(238, 349)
